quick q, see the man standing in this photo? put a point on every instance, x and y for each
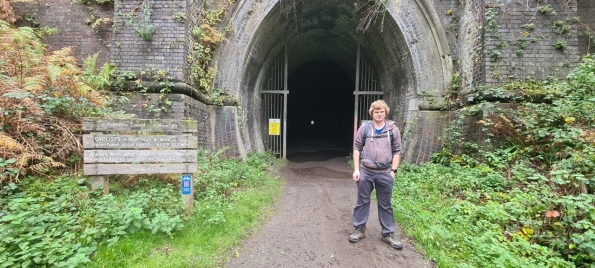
(377, 144)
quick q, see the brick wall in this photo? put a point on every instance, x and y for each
(423, 135)
(70, 19)
(225, 130)
(586, 13)
(520, 39)
(217, 128)
(462, 22)
(166, 49)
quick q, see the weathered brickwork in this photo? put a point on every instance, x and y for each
(470, 39)
(450, 13)
(72, 20)
(520, 40)
(166, 49)
(423, 135)
(152, 106)
(586, 27)
(192, 19)
(416, 50)
(202, 113)
(225, 130)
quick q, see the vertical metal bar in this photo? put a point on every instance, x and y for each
(275, 115)
(265, 132)
(280, 114)
(269, 111)
(355, 112)
(285, 78)
(365, 71)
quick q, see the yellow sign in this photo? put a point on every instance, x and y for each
(274, 126)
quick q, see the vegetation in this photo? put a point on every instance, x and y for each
(232, 200)
(42, 100)
(61, 222)
(49, 216)
(525, 197)
(207, 38)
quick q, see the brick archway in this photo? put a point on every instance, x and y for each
(408, 50)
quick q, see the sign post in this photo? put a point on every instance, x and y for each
(150, 151)
(187, 190)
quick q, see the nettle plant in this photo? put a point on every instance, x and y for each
(60, 223)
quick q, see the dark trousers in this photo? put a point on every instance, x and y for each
(384, 189)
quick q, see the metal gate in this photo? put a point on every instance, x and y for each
(274, 104)
(365, 92)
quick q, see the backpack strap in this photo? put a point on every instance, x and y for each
(366, 129)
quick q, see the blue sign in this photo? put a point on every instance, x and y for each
(186, 184)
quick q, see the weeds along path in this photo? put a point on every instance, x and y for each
(312, 223)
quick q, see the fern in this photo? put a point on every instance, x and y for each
(96, 80)
(47, 94)
(6, 12)
(90, 63)
(107, 70)
(46, 166)
(10, 145)
(34, 83)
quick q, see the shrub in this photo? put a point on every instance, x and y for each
(61, 222)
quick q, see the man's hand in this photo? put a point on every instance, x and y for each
(356, 175)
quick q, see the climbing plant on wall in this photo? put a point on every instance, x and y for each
(143, 27)
(207, 38)
(543, 25)
(95, 20)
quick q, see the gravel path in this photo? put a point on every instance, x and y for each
(312, 223)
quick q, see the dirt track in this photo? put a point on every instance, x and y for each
(312, 223)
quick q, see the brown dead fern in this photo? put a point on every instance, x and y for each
(43, 97)
(6, 12)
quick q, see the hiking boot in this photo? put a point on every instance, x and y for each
(392, 241)
(359, 233)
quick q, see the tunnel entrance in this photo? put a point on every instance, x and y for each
(319, 111)
(406, 49)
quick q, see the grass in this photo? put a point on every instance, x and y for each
(419, 207)
(199, 244)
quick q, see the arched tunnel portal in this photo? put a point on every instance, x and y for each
(309, 52)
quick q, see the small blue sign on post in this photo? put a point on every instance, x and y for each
(186, 184)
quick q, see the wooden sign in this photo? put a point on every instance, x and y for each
(113, 154)
(111, 141)
(114, 169)
(133, 156)
(141, 125)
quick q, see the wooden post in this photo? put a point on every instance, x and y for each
(97, 181)
(102, 181)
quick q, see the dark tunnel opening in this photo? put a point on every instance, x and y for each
(319, 111)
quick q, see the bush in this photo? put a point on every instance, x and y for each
(61, 222)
